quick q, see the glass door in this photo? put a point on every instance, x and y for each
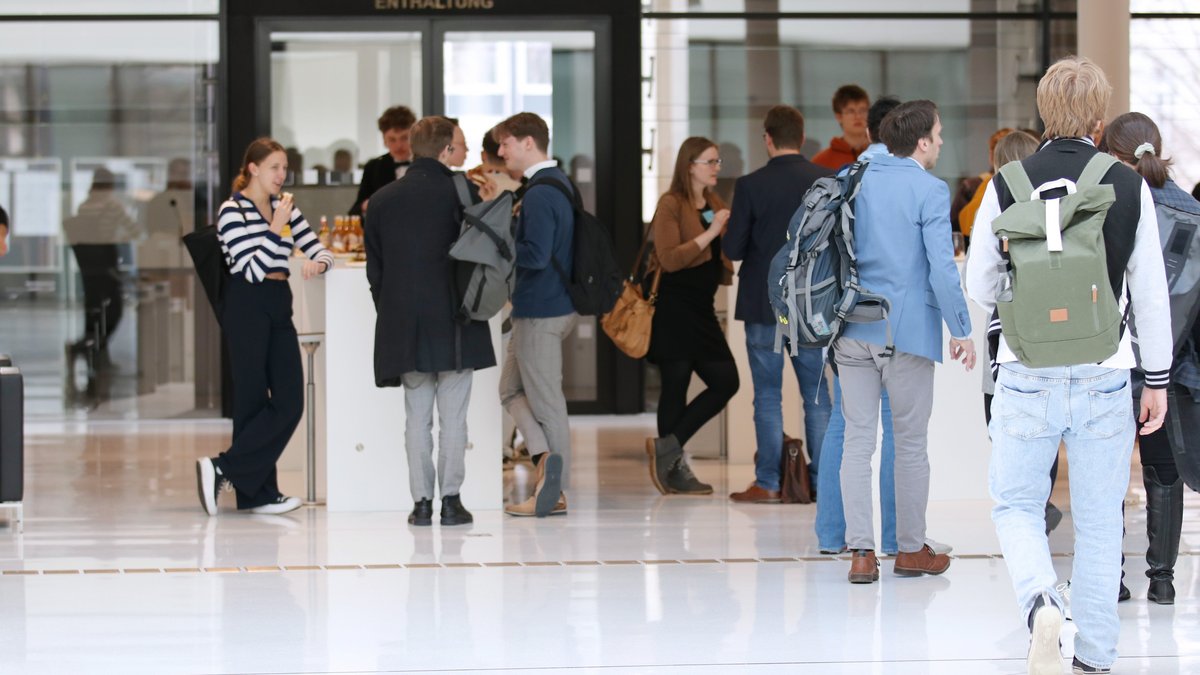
(489, 74)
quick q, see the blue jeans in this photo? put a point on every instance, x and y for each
(766, 372)
(831, 517)
(1091, 410)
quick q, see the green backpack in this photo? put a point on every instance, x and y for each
(1056, 303)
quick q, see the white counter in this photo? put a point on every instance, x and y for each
(361, 463)
(367, 468)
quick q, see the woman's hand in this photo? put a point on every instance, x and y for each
(720, 219)
(312, 268)
(283, 213)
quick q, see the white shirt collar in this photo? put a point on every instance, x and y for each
(549, 163)
(914, 161)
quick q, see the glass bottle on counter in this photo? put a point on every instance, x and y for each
(323, 234)
(337, 241)
(354, 236)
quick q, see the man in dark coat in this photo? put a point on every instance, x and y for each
(419, 344)
(763, 204)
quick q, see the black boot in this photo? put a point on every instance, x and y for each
(1164, 520)
(453, 512)
(422, 513)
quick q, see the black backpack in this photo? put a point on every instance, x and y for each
(595, 279)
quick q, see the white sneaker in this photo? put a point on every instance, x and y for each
(1045, 655)
(207, 485)
(281, 505)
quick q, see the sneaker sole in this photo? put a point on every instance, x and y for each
(547, 497)
(206, 474)
(276, 509)
(654, 467)
(1044, 655)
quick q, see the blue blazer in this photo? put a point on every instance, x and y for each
(905, 253)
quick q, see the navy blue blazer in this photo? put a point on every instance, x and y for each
(763, 204)
(902, 239)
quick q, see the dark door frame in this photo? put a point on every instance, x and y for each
(244, 113)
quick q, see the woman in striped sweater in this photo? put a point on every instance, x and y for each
(258, 228)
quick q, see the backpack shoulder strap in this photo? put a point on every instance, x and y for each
(572, 197)
(1096, 167)
(464, 193)
(1017, 181)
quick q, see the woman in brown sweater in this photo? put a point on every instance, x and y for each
(686, 337)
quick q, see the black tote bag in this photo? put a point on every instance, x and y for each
(205, 248)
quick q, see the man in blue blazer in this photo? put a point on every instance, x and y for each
(902, 239)
(763, 204)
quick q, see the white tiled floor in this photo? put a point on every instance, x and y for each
(124, 574)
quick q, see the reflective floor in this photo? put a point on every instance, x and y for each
(119, 571)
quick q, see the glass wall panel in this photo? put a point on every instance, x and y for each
(1164, 83)
(106, 160)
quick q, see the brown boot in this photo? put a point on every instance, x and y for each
(921, 562)
(756, 495)
(864, 568)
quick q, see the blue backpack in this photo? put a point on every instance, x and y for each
(813, 281)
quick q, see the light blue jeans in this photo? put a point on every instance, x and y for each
(766, 372)
(1091, 410)
(831, 515)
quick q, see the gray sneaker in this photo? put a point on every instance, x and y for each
(664, 453)
(681, 480)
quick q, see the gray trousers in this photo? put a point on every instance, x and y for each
(909, 381)
(451, 390)
(531, 385)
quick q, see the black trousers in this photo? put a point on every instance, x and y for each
(683, 419)
(102, 300)
(268, 385)
(1155, 449)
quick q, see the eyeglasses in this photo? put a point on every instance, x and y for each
(709, 162)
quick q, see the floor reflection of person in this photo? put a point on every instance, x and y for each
(258, 228)
(3, 232)
(94, 233)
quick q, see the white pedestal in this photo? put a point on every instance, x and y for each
(367, 469)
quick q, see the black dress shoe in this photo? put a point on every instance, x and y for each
(453, 512)
(422, 513)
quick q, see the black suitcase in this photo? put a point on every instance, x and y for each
(12, 435)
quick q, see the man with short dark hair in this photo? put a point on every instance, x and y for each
(850, 103)
(419, 343)
(763, 204)
(902, 242)
(1087, 406)
(542, 314)
(395, 124)
(491, 171)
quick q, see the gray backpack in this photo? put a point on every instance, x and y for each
(484, 255)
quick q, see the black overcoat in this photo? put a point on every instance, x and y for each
(410, 227)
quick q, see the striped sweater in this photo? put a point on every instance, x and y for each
(253, 250)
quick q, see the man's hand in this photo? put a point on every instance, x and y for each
(963, 350)
(3, 240)
(488, 189)
(1154, 409)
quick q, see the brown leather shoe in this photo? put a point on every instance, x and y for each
(756, 495)
(921, 562)
(864, 568)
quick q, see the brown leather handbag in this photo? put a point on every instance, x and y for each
(629, 322)
(795, 484)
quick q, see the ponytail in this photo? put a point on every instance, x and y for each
(1134, 139)
(258, 150)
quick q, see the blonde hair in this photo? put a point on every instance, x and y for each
(1014, 147)
(1072, 97)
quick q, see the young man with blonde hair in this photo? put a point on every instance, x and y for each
(1087, 405)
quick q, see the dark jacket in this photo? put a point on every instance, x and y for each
(377, 173)
(545, 228)
(763, 204)
(410, 228)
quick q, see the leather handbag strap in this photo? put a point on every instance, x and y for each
(637, 262)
